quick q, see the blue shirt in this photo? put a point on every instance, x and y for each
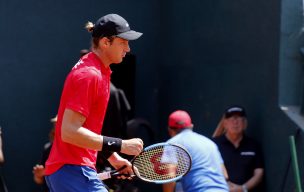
(206, 173)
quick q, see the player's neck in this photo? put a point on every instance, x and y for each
(102, 58)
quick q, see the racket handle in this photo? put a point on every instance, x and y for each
(104, 175)
(107, 175)
(115, 175)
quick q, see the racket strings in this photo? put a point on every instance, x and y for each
(162, 163)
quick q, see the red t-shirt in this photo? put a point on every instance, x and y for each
(86, 90)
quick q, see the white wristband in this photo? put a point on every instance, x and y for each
(244, 188)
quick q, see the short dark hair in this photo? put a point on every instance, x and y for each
(95, 40)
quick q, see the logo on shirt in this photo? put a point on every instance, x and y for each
(111, 143)
(248, 153)
(77, 64)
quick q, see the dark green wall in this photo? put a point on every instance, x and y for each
(196, 55)
(291, 59)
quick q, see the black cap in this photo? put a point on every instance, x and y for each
(235, 110)
(114, 25)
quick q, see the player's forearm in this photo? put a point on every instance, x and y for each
(114, 158)
(73, 132)
(82, 137)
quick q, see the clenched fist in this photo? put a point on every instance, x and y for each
(132, 146)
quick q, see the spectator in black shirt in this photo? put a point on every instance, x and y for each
(241, 154)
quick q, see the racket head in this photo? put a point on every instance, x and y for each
(162, 163)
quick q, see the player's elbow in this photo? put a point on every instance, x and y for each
(67, 134)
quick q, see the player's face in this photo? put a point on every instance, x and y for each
(117, 50)
(235, 124)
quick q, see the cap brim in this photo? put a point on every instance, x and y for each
(130, 35)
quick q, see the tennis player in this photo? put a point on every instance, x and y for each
(71, 164)
(207, 172)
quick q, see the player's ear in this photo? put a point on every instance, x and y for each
(104, 42)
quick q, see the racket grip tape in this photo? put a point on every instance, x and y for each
(108, 174)
(104, 175)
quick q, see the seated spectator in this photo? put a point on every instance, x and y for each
(38, 170)
(242, 155)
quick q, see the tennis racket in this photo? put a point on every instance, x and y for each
(159, 163)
